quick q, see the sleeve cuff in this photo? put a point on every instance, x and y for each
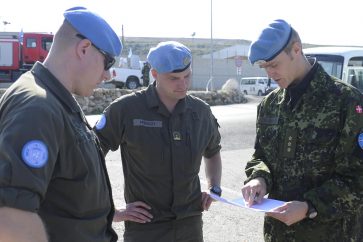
(266, 176)
(19, 198)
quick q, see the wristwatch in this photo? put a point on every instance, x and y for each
(216, 190)
(311, 213)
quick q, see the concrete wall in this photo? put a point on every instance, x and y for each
(102, 97)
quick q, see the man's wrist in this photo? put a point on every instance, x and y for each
(216, 190)
(311, 212)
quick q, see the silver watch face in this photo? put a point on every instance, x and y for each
(217, 190)
(313, 214)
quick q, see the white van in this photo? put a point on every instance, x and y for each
(256, 85)
(345, 63)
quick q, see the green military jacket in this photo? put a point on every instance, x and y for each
(161, 151)
(50, 162)
(312, 152)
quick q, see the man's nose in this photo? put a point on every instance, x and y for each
(184, 82)
(107, 75)
(269, 72)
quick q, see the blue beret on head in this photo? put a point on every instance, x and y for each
(94, 28)
(169, 56)
(270, 42)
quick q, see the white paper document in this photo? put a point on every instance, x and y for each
(265, 206)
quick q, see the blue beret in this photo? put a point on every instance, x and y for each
(94, 28)
(169, 56)
(270, 42)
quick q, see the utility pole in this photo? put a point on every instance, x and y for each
(211, 47)
(193, 35)
(122, 37)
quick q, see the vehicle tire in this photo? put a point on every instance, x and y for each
(119, 84)
(245, 92)
(132, 83)
(259, 93)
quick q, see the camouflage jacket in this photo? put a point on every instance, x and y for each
(312, 152)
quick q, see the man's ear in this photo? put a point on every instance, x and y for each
(297, 47)
(82, 47)
(154, 73)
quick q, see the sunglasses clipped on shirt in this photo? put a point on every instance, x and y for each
(109, 60)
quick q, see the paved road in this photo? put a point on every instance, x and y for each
(222, 222)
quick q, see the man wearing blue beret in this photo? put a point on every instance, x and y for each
(53, 182)
(308, 149)
(163, 133)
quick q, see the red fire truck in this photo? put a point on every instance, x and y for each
(19, 52)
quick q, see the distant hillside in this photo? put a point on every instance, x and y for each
(141, 45)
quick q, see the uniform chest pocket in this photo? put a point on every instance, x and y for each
(83, 134)
(267, 129)
(317, 150)
(268, 138)
(199, 140)
(145, 149)
(192, 150)
(267, 141)
(321, 137)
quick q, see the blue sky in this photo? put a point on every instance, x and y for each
(318, 22)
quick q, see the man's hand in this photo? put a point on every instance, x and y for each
(290, 213)
(206, 201)
(254, 191)
(135, 212)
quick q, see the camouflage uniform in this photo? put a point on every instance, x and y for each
(310, 152)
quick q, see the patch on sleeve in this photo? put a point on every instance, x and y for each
(360, 140)
(35, 154)
(101, 122)
(358, 109)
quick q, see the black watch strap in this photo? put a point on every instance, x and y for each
(216, 190)
(312, 212)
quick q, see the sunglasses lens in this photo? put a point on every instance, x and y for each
(109, 61)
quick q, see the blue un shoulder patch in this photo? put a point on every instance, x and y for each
(101, 122)
(360, 140)
(35, 154)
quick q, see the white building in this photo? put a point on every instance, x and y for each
(228, 63)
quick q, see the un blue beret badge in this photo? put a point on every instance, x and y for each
(101, 122)
(186, 61)
(35, 154)
(360, 140)
(260, 62)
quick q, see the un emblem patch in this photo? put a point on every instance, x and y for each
(186, 61)
(35, 154)
(101, 122)
(360, 140)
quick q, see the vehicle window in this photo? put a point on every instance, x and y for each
(253, 81)
(31, 43)
(333, 64)
(46, 43)
(355, 77)
(356, 61)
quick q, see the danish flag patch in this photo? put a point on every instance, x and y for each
(358, 109)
